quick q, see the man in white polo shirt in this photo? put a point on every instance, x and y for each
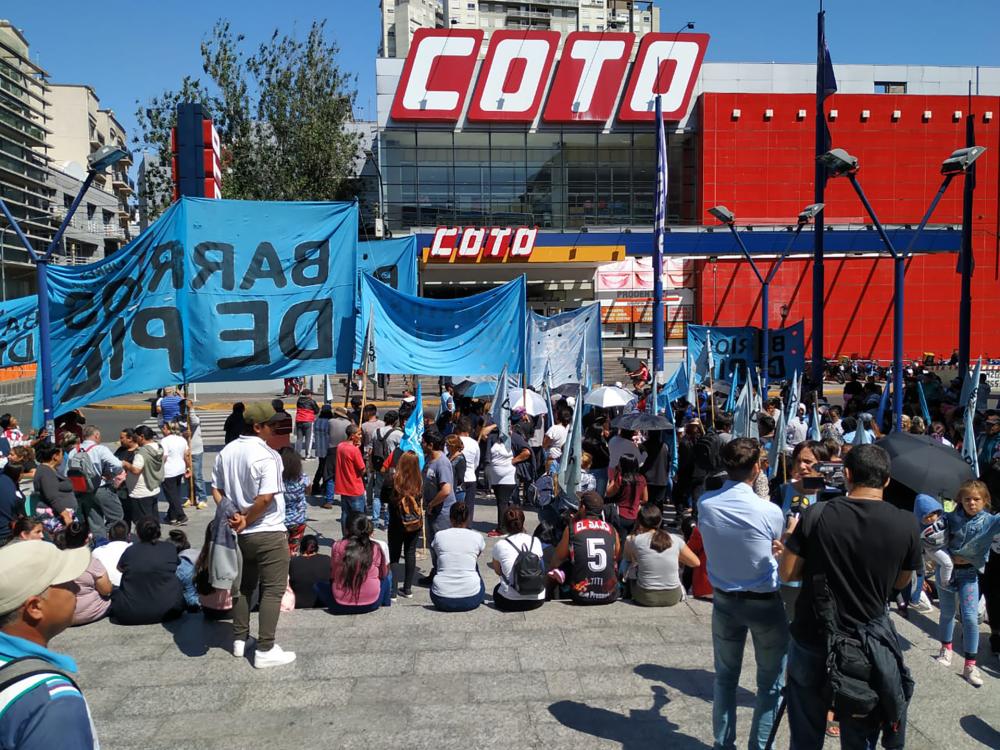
(248, 472)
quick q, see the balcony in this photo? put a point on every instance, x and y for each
(539, 15)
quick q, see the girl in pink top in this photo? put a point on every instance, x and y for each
(360, 580)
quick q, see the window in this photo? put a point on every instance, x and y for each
(890, 87)
(470, 6)
(91, 211)
(67, 200)
(586, 27)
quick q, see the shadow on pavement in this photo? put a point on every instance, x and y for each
(194, 635)
(979, 730)
(640, 728)
(694, 682)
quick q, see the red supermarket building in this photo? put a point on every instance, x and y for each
(524, 152)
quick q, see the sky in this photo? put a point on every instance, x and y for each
(150, 45)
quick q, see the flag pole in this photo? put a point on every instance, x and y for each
(819, 188)
(660, 217)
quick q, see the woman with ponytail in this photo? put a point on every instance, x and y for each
(657, 554)
(360, 580)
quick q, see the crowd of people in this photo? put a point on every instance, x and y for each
(779, 531)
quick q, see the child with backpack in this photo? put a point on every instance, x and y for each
(517, 559)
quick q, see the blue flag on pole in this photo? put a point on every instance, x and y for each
(814, 433)
(923, 405)
(883, 403)
(793, 397)
(731, 399)
(413, 431)
(675, 456)
(777, 449)
(970, 450)
(569, 464)
(500, 413)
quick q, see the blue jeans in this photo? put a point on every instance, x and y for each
(350, 504)
(732, 617)
(918, 587)
(459, 604)
(601, 477)
(966, 590)
(331, 490)
(374, 490)
(199, 481)
(807, 708)
(325, 596)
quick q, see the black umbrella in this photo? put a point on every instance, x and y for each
(630, 363)
(924, 465)
(568, 389)
(460, 388)
(642, 420)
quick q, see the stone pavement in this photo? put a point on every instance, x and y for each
(617, 676)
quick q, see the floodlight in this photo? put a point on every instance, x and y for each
(723, 214)
(105, 157)
(839, 162)
(810, 212)
(960, 160)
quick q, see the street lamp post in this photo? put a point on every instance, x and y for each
(97, 162)
(841, 164)
(725, 216)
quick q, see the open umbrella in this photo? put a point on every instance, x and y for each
(924, 465)
(642, 420)
(481, 389)
(531, 402)
(631, 364)
(568, 389)
(609, 397)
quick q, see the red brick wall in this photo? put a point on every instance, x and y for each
(763, 171)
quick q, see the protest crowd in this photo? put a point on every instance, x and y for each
(807, 523)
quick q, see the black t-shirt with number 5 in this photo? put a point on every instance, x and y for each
(861, 546)
(592, 553)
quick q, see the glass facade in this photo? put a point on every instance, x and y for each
(559, 179)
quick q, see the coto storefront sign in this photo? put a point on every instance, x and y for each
(482, 245)
(516, 73)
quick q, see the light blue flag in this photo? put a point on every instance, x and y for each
(547, 393)
(731, 400)
(675, 457)
(569, 464)
(709, 355)
(500, 412)
(744, 423)
(883, 403)
(793, 397)
(777, 449)
(861, 436)
(923, 405)
(970, 450)
(970, 384)
(413, 431)
(814, 433)
(756, 400)
(673, 389)
(651, 399)
(692, 384)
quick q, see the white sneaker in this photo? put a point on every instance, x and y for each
(922, 605)
(239, 647)
(944, 657)
(275, 657)
(972, 675)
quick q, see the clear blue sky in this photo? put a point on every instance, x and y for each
(150, 45)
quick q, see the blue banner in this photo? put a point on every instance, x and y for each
(735, 347)
(569, 342)
(18, 331)
(393, 262)
(477, 335)
(215, 290)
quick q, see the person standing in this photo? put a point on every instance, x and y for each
(176, 468)
(196, 442)
(321, 438)
(370, 428)
(41, 706)
(439, 483)
(306, 410)
(168, 408)
(350, 476)
(248, 473)
(555, 438)
(852, 553)
(338, 434)
(739, 532)
(105, 497)
(502, 476)
(233, 426)
(470, 449)
(147, 468)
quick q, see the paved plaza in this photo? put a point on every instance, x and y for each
(409, 676)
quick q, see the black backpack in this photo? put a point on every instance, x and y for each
(527, 574)
(380, 448)
(707, 453)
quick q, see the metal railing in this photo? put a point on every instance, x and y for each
(17, 391)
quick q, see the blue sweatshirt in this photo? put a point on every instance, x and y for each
(43, 711)
(971, 537)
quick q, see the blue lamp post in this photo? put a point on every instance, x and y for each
(839, 163)
(97, 162)
(725, 216)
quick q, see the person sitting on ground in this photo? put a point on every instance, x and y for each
(295, 497)
(43, 707)
(52, 488)
(12, 500)
(306, 570)
(186, 558)
(657, 555)
(360, 579)
(216, 604)
(27, 528)
(457, 585)
(93, 587)
(590, 546)
(150, 591)
(522, 579)
(109, 554)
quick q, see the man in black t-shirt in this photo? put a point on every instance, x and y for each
(866, 548)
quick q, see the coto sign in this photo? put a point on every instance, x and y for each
(515, 74)
(482, 244)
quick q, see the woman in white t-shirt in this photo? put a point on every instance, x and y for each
(457, 585)
(176, 467)
(505, 553)
(501, 475)
(657, 556)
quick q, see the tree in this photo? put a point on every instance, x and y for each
(281, 113)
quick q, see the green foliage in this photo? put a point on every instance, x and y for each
(281, 113)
